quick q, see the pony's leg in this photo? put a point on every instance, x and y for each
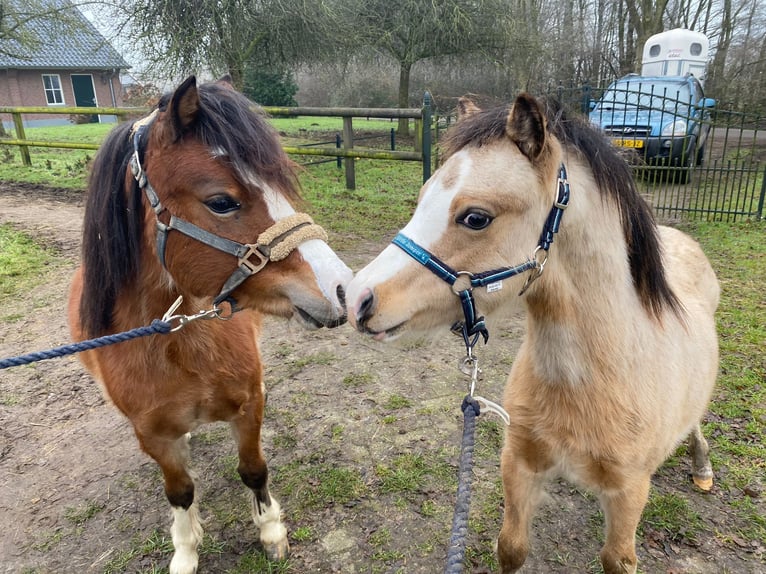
(702, 471)
(523, 464)
(186, 531)
(266, 511)
(622, 512)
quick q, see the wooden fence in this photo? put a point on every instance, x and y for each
(421, 153)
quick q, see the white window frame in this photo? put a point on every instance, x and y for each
(53, 90)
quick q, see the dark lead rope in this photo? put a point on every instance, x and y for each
(157, 327)
(457, 541)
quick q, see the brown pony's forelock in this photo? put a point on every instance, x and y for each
(114, 212)
(229, 122)
(614, 180)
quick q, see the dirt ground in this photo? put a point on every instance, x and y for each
(76, 493)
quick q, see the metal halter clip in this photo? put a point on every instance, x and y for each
(215, 313)
(469, 365)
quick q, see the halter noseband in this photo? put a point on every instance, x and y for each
(473, 326)
(274, 244)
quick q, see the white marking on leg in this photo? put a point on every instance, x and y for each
(273, 531)
(186, 533)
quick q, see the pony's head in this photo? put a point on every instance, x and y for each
(489, 207)
(199, 199)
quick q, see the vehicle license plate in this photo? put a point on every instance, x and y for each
(628, 143)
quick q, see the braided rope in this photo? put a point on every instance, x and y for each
(456, 551)
(157, 327)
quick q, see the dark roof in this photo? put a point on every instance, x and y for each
(74, 44)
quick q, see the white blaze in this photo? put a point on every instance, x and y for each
(427, 226)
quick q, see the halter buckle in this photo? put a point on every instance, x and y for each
(253, 266)
(562, 197)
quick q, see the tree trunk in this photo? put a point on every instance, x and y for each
(404, 97)
(716, 79)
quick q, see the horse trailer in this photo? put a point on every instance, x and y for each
(676, 53)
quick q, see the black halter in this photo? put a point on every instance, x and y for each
(274, 244)
(473, 326)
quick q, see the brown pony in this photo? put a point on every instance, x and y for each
(196, 200)
(620, 354)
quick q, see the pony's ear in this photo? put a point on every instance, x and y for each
(184, 107)
(466, 107)
(526, 126)
(225, 81)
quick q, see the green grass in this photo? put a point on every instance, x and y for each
(384, 198)
(356, 380)
(157, 547)
(410, 473)
(301, 125)
(737, 424)
(52, 166)
(69, 168)
(81, 514)
(23, 262)
(672, 514)
(311, 485)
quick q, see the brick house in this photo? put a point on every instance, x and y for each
(70, 64)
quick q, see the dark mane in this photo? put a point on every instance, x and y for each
(614, 180)
(114, 212)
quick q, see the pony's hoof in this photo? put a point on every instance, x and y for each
(183, 563)
(274, 541)
(277, 551)
(703, 483)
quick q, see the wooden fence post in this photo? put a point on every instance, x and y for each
(348, 143)
(418, 143)
(426, 137)
(759, 213)
(20, 135)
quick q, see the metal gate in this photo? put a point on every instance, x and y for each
(727, 183)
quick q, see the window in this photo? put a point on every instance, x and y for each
(54, 95)
(695, 49)
(654, 51)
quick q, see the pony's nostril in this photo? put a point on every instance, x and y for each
(341, 292)
(366, 306)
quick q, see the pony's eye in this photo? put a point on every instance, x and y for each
(475, 220)
(222, 204)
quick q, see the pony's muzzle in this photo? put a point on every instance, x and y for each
(340, 293)
(363, 310)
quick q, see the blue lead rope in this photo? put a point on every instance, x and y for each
(457, 542)
(157, 327)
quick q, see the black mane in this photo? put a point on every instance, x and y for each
(114, 210)
(614, 180)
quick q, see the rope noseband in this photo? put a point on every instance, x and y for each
(274, 244)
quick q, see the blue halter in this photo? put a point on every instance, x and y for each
(472, 327)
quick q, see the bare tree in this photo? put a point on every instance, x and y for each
(410, 31)
(21, 22)
(226, 36)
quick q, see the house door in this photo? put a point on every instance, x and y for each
(84, 93)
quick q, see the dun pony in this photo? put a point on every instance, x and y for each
(620, 353)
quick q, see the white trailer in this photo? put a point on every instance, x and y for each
(676, 53)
